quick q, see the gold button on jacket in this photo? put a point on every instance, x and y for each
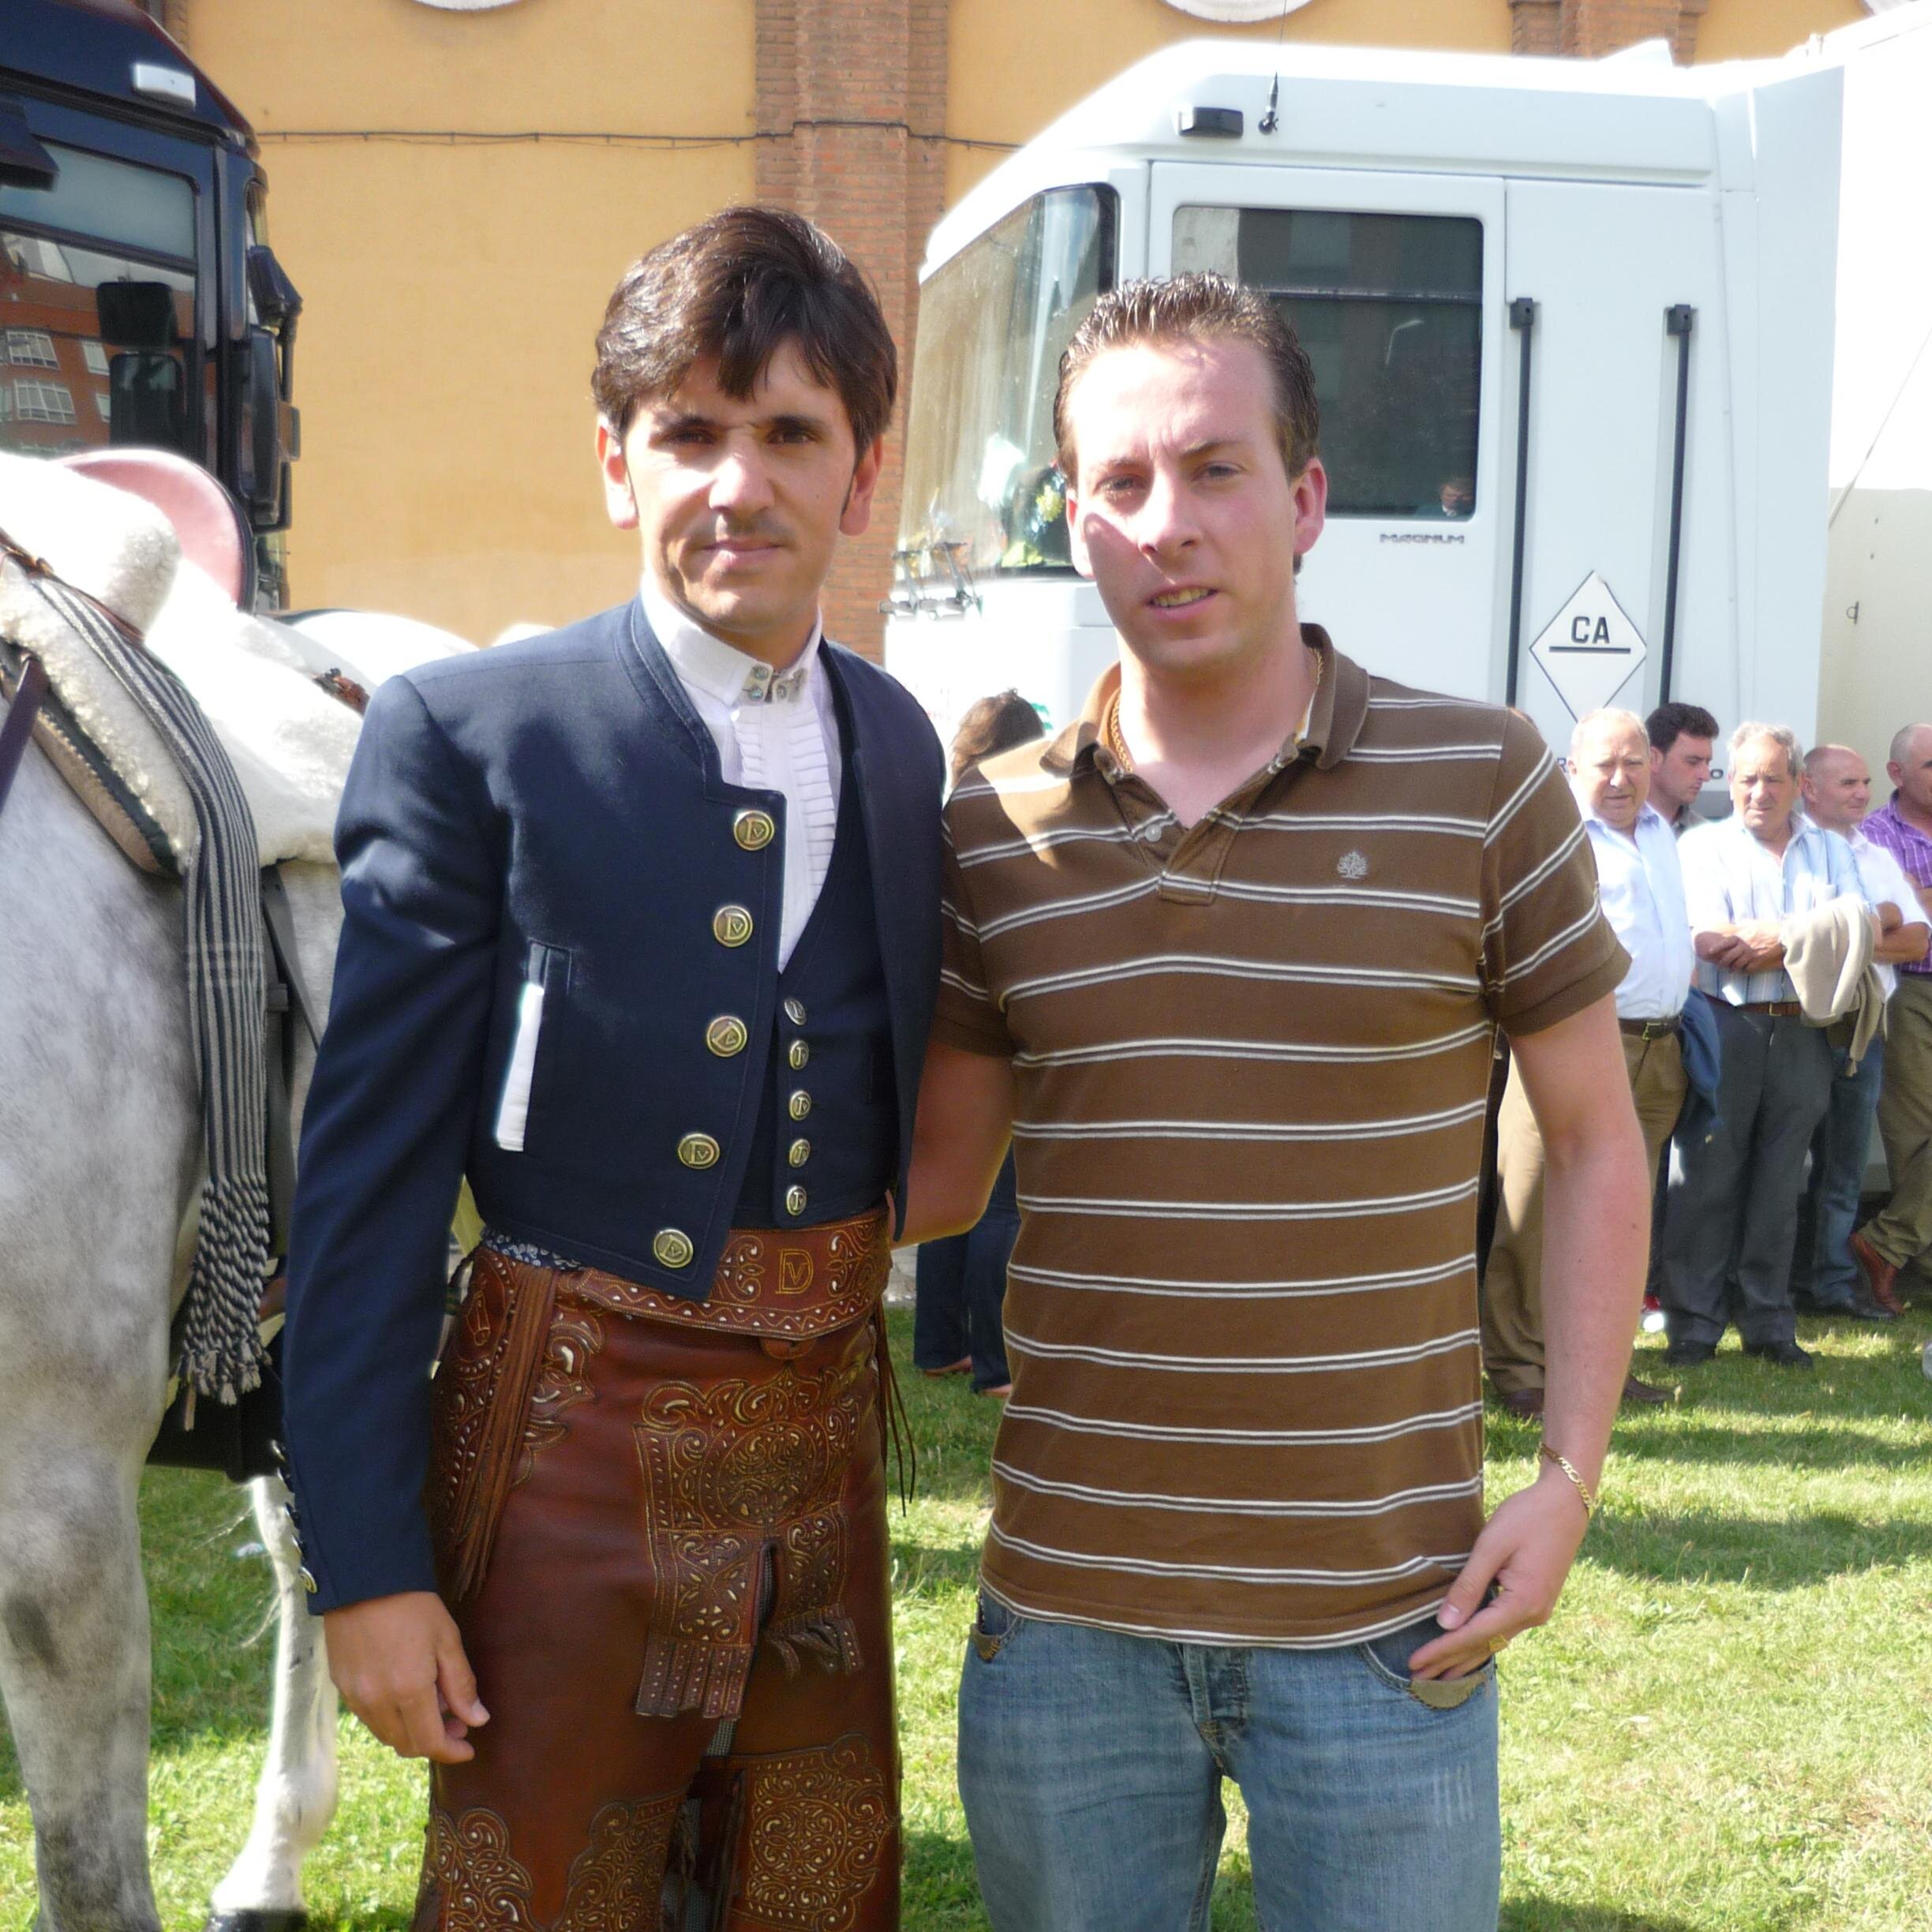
(799, 1152)
(799, 1104)
(753, 830)
(672, 1246)
(731, 925)
(698, 1150)
(797, 1054)
(727, 1035)
(794, 1200)
(795, 1012)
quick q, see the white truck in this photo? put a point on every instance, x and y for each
(1624, 372)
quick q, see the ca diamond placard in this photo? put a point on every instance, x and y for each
(1589, 650)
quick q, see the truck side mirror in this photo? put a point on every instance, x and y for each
(274, 425)
(273, 433)
(277, 299)
(24, 162)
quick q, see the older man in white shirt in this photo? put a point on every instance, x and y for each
(1733, 1199)
(1825, 1277)
(1642, 891)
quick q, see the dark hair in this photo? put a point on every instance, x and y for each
(1669, 722)
(1197, 309)
(992, 725)
(738, 286)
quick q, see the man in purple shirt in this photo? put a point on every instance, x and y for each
(1902, 1233)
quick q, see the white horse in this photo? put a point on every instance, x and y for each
(100, 1161)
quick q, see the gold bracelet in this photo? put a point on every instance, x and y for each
(1570, 1470)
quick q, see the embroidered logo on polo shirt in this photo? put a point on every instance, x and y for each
(1352, 865)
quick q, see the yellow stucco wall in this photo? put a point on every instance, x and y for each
(452, 291)
(1753, 29)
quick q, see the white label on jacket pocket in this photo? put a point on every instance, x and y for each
(514, 1108)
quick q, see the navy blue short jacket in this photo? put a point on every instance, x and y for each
(546, 822)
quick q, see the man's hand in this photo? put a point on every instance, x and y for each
(1525, 1549)
(398, 1662)
(1596, 1235)
(1723, 950)
(1754, 946)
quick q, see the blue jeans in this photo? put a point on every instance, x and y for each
(1826, 1271)
(1091, 1765)
(962, 1288)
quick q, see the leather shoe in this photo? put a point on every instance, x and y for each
(1859, 1306)
(1880, 1275)
(1786, 1354)
(1526, 1404)
(951, 1368)
(1688, 1354)
(1645, 1394)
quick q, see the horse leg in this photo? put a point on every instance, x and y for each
(296, 1795)
(73, 1666)
(97, 1158)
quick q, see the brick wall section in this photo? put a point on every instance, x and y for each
(1536, 26)
(876, 188)
(1590, 27)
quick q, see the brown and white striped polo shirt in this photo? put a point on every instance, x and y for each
(1250, 1059)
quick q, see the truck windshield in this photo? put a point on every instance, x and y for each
(1389, 308)
(97, 315)
(980, 473)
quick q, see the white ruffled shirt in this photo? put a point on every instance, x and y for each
(775, 731)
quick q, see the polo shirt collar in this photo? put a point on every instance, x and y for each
(1334, 721)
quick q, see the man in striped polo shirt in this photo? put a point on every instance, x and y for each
(1225, 960)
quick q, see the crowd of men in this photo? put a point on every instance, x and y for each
(1778, 1001)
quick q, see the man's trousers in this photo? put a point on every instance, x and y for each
(1734, 1192)
(1512, 1283)
(1823, 1272)
(661, 1529)
(1903, 1232)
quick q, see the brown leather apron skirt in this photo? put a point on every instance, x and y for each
(661, 1526)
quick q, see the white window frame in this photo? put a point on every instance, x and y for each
(94, 354)
(31, 348)
(38, 402)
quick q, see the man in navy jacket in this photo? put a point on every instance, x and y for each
(642, 936)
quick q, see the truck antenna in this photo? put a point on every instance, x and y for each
(1271, 121)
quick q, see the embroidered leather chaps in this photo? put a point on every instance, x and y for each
(661, 1526)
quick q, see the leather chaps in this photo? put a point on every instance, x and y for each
(661, 1526)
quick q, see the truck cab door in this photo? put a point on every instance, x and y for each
(1395, 284)
(1606, 263)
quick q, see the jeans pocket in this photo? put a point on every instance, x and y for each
(1387, 1659)
(994, 1627)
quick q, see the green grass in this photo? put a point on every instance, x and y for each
(1728, 1727)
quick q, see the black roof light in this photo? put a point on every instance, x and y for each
(1222, 123)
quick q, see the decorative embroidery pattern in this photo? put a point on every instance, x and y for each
(615, 1884)
(828, 1278)
(733, 1468)
(464, 1384)
(563, 1382)
(816, 1824)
